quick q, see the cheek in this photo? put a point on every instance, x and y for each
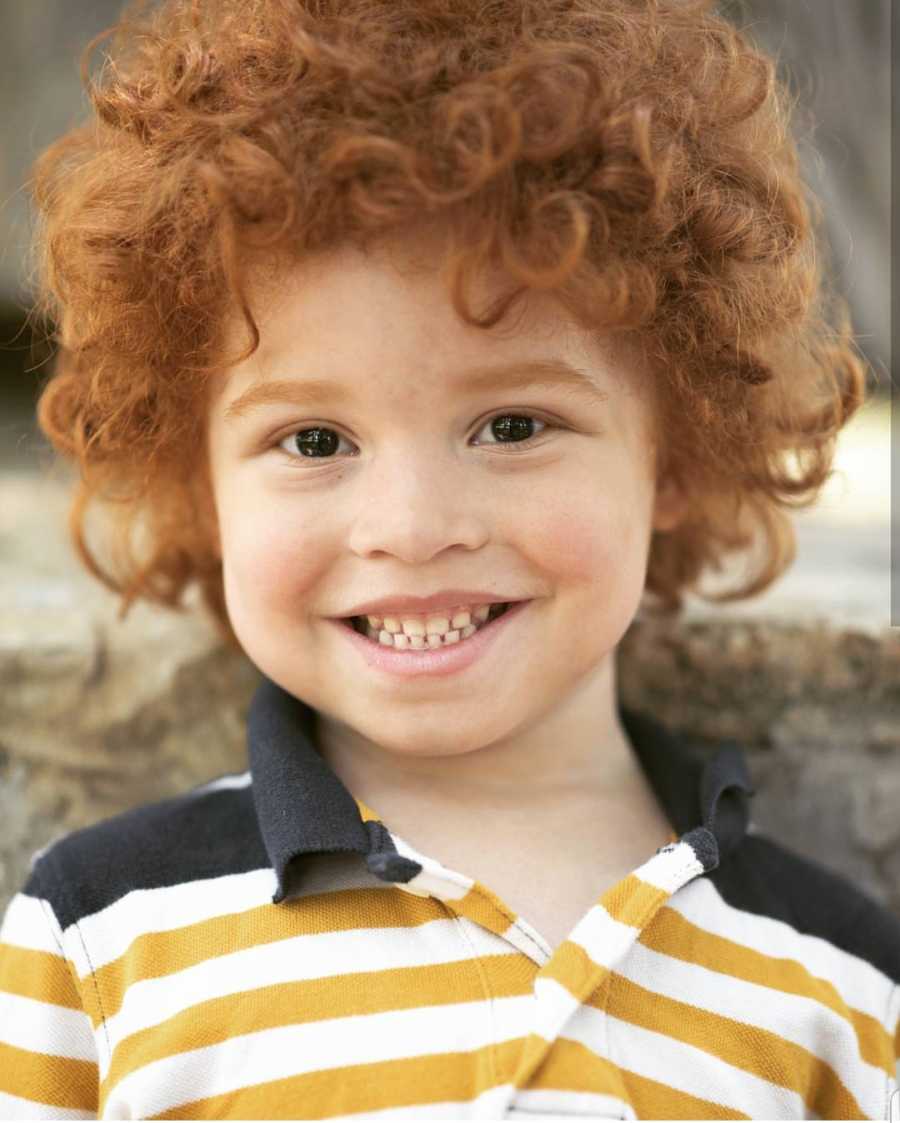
(271, 562)
(582, 542)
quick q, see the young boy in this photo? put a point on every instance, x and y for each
(458, 879)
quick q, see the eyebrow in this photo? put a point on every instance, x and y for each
(546, 373)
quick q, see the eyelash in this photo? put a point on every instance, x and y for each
(513, 446)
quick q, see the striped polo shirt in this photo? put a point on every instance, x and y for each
(264, 947)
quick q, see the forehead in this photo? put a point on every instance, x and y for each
(394, 297)
(350, 315)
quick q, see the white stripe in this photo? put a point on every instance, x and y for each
(490, 943)
(434, 877)
(671, 868)
(44, 1027)
(859, 983)
(109, 932)
(316, 956)
(485, 941)
(603, 938)
(552, 1104)
(26, 925)
(13, 1107)
(429, 883)
(892, 1018)
(511, 1016)
(686, 1068)
(554, 1006)
(804, 1021)
(275, 1054)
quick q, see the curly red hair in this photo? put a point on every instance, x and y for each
(633, 157)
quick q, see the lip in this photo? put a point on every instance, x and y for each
(441, 661)
(416, 606)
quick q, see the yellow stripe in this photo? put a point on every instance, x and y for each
(46, 1079)
(372, 992)
(572, 963)
(631, 901)
(672, 934)
(38, 974)
(481, 901)
(571, 1065)
(366, 813)
(155, 954)
(738, 1043)
(484, 907)
(354, 1088)
(653, 1100)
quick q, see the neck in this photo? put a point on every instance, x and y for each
(578, 750)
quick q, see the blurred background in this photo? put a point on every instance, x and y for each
(836, 56)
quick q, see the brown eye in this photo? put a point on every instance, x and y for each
(514, 428)
(315, 443)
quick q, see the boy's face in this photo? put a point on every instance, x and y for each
(417, 492)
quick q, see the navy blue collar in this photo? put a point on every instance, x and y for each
(304, 808)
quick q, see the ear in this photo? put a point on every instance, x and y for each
(670, 505)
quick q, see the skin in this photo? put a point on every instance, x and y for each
(420, 496)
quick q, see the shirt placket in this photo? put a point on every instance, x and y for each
(579, 970)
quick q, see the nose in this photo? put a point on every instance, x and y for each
(415, 503)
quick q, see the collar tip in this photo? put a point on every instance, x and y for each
(705, 845)
(390, 866)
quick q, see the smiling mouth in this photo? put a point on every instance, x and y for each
(431, 640)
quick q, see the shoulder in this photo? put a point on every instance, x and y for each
(767, 878)
(208, 831)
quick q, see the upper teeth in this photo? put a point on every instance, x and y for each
(433, 625)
